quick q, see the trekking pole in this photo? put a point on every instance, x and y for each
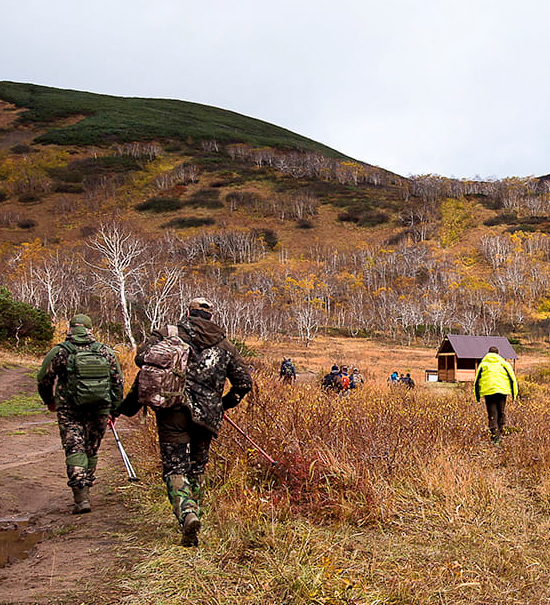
(263, 452)
(129, 469)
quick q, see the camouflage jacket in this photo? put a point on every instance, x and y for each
(212, 359)
(52, 377)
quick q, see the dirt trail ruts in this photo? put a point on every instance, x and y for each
(80, 556)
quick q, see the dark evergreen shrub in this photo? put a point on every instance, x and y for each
(371, 219)
(304, 224)
(3, 196)
(349, 217)
(67, 174)
(26, 223)
(104, 165)
(23, 324)
(160, 204)
(21, 149)
(268, 235)
(188, 221)
(29, 198)
(206, 198)
(68, 188)
(503, 218)
(87, 231)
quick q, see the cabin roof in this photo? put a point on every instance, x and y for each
(476, 347)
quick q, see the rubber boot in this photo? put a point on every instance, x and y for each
(184, 507)
(81, 500)
(190, 529)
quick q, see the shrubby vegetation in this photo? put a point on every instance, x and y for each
(109, 119)
(160, 204)
(23, 324)
(384, 496)
(188, 221)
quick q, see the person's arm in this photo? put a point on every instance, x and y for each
(476, 383)
(130, 405)
(46, 379)
(239, 377)
(512, 379)
(117, 379)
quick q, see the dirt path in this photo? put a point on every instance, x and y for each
(79, 557)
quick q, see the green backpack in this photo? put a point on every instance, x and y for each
(89, 375)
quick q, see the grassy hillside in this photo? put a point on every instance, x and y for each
(299, 235)
(61, 146)
(108, 119)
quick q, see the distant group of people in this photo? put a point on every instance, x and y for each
(340, 380)
(401, 379)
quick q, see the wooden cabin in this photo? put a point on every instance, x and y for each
(458, 356)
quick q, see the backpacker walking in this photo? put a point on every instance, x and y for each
(495, 380)
(186, 424)
(287, 373)
(81, 380)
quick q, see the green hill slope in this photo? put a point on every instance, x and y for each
(108, 119)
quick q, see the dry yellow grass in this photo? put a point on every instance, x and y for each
(386, 496)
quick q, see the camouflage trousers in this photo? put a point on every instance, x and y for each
(81, 431)
(184, 448)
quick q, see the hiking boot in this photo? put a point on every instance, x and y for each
(81, 500)
(190, 529)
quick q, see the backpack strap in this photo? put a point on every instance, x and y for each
(68, 346)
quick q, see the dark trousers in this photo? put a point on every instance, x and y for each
(184, 448)
(495, 413)
(184, 445)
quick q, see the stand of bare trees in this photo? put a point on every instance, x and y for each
(127, 280)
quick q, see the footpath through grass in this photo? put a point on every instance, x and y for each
(386, 496)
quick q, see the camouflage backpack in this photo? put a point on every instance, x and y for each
(88, 375)
(161, 381)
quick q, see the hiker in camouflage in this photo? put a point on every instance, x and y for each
(185, 431)
(81, 424)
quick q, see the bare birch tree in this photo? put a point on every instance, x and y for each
(121, 260)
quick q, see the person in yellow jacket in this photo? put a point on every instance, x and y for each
(495, 380)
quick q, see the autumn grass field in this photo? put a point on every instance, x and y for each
(385, 496)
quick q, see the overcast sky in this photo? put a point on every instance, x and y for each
(451, 87)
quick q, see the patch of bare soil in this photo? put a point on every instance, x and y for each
(80, 557)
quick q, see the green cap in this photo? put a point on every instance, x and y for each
(81, 320)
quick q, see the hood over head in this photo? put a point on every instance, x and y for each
(202, 333)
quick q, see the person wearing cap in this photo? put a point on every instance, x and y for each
(81, 427)
(494, 381)
(330, 380)
(185, 432)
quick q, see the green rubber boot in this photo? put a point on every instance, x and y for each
(81, 497)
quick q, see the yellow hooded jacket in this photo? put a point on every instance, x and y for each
(495, 375)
